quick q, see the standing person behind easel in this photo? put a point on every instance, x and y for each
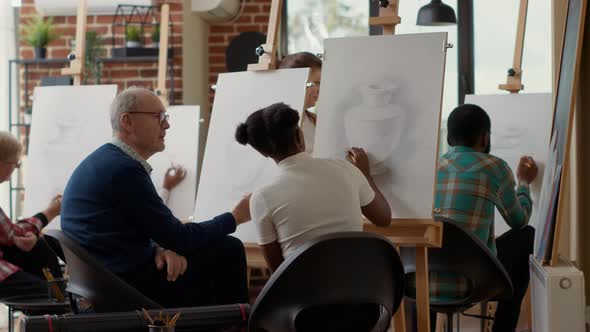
(314, 63)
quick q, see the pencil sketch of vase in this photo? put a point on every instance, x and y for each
(508, 138)
(376, 125)
(63, 145)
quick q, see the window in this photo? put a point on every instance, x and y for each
(494, 45)
(408, 11)
(309, 22)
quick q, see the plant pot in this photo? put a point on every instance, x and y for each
(40, 52)
(132, 43)
(153, 328)
(376, 125)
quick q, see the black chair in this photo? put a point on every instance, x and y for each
(464, 254)
(90, 280)
(54, 245)
(351, 281)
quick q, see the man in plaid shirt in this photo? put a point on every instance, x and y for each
(470, 184)
(22, 255)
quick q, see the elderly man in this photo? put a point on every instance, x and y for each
(111, 208)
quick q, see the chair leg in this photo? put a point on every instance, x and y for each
(10, 315)
(449, 322)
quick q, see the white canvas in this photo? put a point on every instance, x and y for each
(68, 123)
(231, 170)
(182, 144)
(512, 136)
(384, 94)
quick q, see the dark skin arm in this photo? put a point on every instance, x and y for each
(378, 211)
(273, 254)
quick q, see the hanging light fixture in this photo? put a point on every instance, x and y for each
(436, 13)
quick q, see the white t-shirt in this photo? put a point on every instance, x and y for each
(307, 198)
(308, 128)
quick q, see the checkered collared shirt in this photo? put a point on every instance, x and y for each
(469, 186)
(8, 230)
(132, 153)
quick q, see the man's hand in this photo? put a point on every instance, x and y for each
(241, 212)
(174, 175)
(26, 242)
(176, 264)
(358, 157)
(53, 208)
(527, 170)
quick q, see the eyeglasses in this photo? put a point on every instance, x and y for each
(312, 84)
(162, 116)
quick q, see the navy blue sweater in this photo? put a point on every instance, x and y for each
(110, 207)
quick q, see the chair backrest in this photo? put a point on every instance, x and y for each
(332, 279)
(54, 245)
(464, 253)
(90, 280)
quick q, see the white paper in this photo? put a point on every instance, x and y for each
(68, 123)
(231, 170)
(513, 136)
(383, 94)
(182, 145)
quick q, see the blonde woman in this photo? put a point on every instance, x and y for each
(23, 254)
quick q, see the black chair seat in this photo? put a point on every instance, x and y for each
(463, 253)
(349, 281)
(105, 291)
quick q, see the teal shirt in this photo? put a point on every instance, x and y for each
(469, 185)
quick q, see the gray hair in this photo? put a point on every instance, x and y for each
(10, 147)
(125, 102)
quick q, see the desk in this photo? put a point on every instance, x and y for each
(36, 304)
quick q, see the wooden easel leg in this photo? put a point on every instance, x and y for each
(248, 276)
(399, 318)
(422, 289)
(440, 323)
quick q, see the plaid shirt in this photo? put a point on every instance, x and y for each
(469, 185)
(8, 230)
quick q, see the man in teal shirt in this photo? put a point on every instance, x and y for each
(470, 184)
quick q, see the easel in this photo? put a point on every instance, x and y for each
(514, 85)
(267, 60)
(77, 57)
(388, 17)
(163, 55)
(514, 79)
(420, 234)
(267, 53)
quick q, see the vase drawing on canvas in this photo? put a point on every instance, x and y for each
(376, 125)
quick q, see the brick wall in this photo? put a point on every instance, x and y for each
(124, 74)
(254, 18)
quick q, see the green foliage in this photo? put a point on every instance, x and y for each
(94, 51)
(133, 33)
(39, 32)
(156, 34)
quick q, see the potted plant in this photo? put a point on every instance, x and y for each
(39, 32)
(94, 51)
(133, 33)
(156, 36)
